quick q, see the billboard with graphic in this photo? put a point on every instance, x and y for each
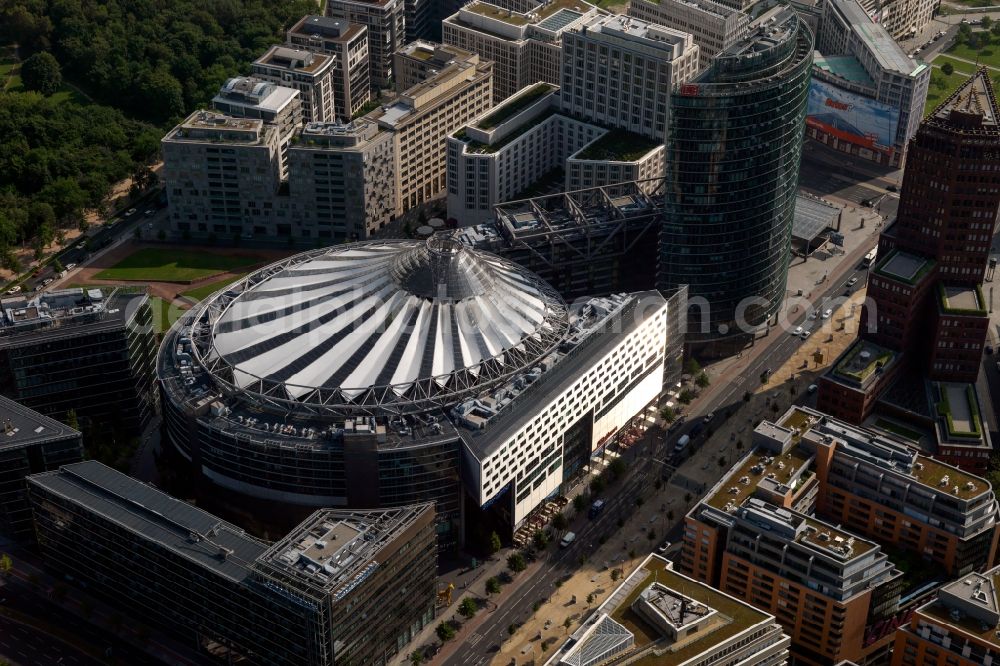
(851, 117)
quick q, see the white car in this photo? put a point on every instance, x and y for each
(46, 282)
(14, 290)
(70, 267)
(853, 281)
(130, 212)
(663, 547)
(826, 314)
(805, 334)
(797, 331)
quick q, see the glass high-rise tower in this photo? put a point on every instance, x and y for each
(732, 166)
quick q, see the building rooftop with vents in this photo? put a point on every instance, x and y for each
(661, 617)
(29, 318)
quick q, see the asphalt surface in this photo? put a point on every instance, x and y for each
(480, 646)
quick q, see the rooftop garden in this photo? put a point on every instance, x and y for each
(734, 615)
(494, 12)
(960, 411)
(515, 106)
(484, 148)
(618, 146)
(931, 472)
(790, 463)
(962, 301)
(421, 53)
(859, 368)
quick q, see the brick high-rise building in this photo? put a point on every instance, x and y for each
(926, 314)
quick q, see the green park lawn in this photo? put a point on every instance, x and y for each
(988, 54)
(164, 314)
(942, 86)
(206, 290)
(174, 265)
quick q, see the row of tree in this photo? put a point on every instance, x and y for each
(154, 59)
(58, 158)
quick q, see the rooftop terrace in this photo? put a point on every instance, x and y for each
(618, 146)
(862, 360)
(962, 300)
(537, 16)
(958, 407)
(734, 489)
(731, 615)
(514, 106)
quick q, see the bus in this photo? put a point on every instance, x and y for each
(869, 259)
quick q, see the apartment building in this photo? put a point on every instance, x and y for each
(961, 627)
(346, 173)
(421, 118)
(306, 71)
(386, 24)
(522, 39)
(619, 72)
(90, 351)
(347, 44)
(343, 586)
(714, 27)
(255, 99)
(691, 623)
(31, 444)
(222, 174)
(831, 494)
(860, 66)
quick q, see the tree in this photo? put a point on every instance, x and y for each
(161, 235)
(668, 414)
(590, 598)
(947, 69)
(995, 30)
(670, 515)
(559, 521)
(702, 380)
(416, 657)
(57, 266)
(492, 585)
(651, 534)
(617, 468)
(686, 396)
(692, 367)
(71, 420)
(747, 396)
(516, 563)
(597, 485)
(41, 73)
(445, 632)
(722, 461)
(540, 539)
(567, 623)
(986, 22)
(494, 543)
(512, 629)
(615, 574)
(468, 607)
(6, 565)
(687, 498)
(579, 503)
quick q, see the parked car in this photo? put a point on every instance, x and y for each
(130, 212)
(569, 538)
(682, 443)
(663, 547)
(812, 389)
(797, 331)
(46, 282)
(708, 417)
(149, 212)
(891, 188)
(826, 314)
(70, 267)
(14, 290)
(853, 281)
(805, 334)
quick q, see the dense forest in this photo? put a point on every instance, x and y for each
(144, 63)
(154, 59)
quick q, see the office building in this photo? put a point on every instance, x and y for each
(398, 389)
(522, 40)
(90, 351)
(421, 118)
(926, 310)
(714, 27)
(867, 96)
(342, 587)
(627, 85)
(822, 491)
(29, 444)
(306, 71)
(683, 621)
(346, 173)
(421, 60)
(961, 627)
(606, 125)
(386, 24)
(731, 194)
(347, 44)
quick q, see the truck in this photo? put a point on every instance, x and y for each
(596, 508)
(569, 538)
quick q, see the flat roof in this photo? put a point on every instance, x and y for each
(609, 332)
(861, 361)
(846, 67)
(904, 266)
(969, 605)
(812, 217)
(876, 38)
(66, 313)
(741, 484)
(959, 297)
(21, 427)
(177, 526)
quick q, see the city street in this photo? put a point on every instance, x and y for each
(25, 646)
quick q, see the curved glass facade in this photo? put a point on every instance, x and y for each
(733, 163)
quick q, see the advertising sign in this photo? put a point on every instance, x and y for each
(851, 117)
